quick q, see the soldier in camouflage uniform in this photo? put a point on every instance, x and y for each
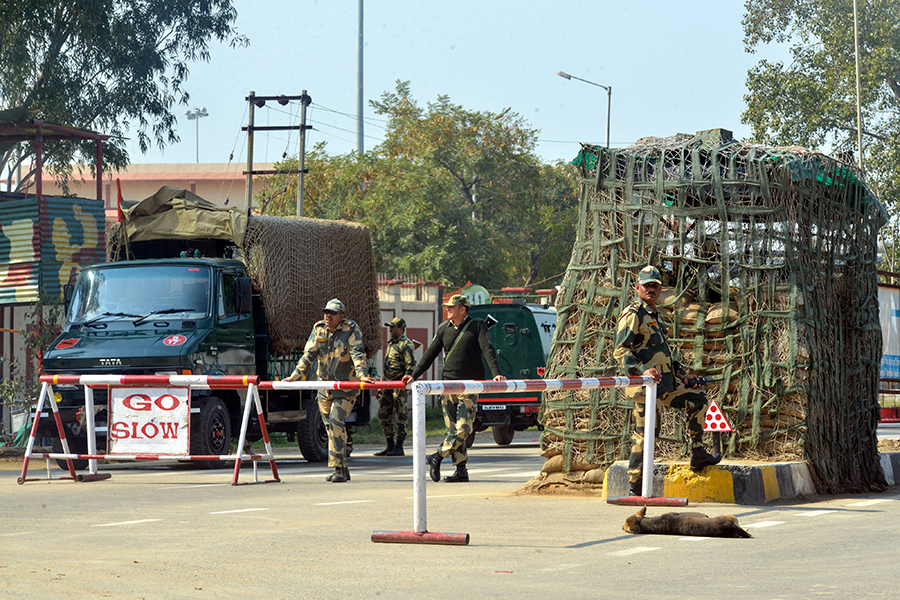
(642, 348)
(399, 360)
(336, 346)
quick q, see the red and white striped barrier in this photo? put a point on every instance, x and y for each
(420, 533)
(138, 381)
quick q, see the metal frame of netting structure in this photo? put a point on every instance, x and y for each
(768, 263)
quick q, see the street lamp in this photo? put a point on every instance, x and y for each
(608, 97)
(196, 115)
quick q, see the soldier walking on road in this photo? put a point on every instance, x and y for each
(336, 346)
(642, 348)
(399, 360)
(464, 341)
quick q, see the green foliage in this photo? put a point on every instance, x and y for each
(451, 195)
(812, 101)
(114, 66)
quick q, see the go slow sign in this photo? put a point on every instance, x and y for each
(148, 421)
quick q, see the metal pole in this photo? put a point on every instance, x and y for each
(419, 509)
(649, 441)
(249, 192)
(859, 125)
(197, 139)
(304, 101)
(608, 105)
(359, 84)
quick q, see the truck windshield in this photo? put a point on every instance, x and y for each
(128, 292)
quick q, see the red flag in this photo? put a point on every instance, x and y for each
(119, 203)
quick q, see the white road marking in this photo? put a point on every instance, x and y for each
(193, 485)
(694, 538)
(127, 523)
(346, 502)
(763, 524)
(18, 533)
(240, 510)
(631, 551)
(869, 502)
(815, 513)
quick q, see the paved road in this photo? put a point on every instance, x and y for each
(173, 531)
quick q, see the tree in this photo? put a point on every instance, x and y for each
(812, 101)
(451, 194)
(114, 66)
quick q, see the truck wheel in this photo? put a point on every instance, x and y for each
(212, 433)
(77, 445)
(503, 434)
(311, 436)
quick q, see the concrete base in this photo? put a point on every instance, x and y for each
(725, 482)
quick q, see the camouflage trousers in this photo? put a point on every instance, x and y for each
(692, 401)
(391, 402)
(459, 416)
(334, 413)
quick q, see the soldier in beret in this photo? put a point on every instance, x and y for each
(642, 348)
(399, 360)
(464, 341)
(335, 345)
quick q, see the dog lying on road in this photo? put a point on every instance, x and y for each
(688, 523)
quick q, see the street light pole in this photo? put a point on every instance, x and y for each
(195, 115)
(608, 89)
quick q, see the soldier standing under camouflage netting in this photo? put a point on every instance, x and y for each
(336, 346)
(399, 360)
(464, 341)
(642, 348)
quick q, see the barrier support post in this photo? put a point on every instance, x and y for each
(90, 423)
(420, 533)
(647, 498)
(46, 396)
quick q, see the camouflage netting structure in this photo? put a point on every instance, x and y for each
(296, 264)
(769, 285)
(299, 264)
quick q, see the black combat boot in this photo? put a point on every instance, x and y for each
(337, 476)
(461, 474)
(390, 447)
(700, 459)
(636, 488)
(347, 473)
(434, 465)
(397, 450)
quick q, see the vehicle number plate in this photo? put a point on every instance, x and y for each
(493, 407)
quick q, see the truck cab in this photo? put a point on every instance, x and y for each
(521, 334)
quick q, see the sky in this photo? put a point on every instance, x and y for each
(674, 67)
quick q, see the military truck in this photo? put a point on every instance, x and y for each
(179, 305)
(521, 334)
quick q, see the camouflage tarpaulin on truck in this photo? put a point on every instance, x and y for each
(769, 288)
(296, 264)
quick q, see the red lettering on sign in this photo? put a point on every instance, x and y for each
(172, 399)
(119, 431)
(137, 402)
(169, 430)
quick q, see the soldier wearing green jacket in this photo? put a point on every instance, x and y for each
(336, 347)
(642, 348)
(464, 341)
(399, 360)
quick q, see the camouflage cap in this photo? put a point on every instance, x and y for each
(335, 305)
(396, 321)
(457, 300)
(649, 275)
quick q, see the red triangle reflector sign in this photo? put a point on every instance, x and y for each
(715, 420)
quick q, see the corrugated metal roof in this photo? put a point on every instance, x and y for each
(32, 262)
